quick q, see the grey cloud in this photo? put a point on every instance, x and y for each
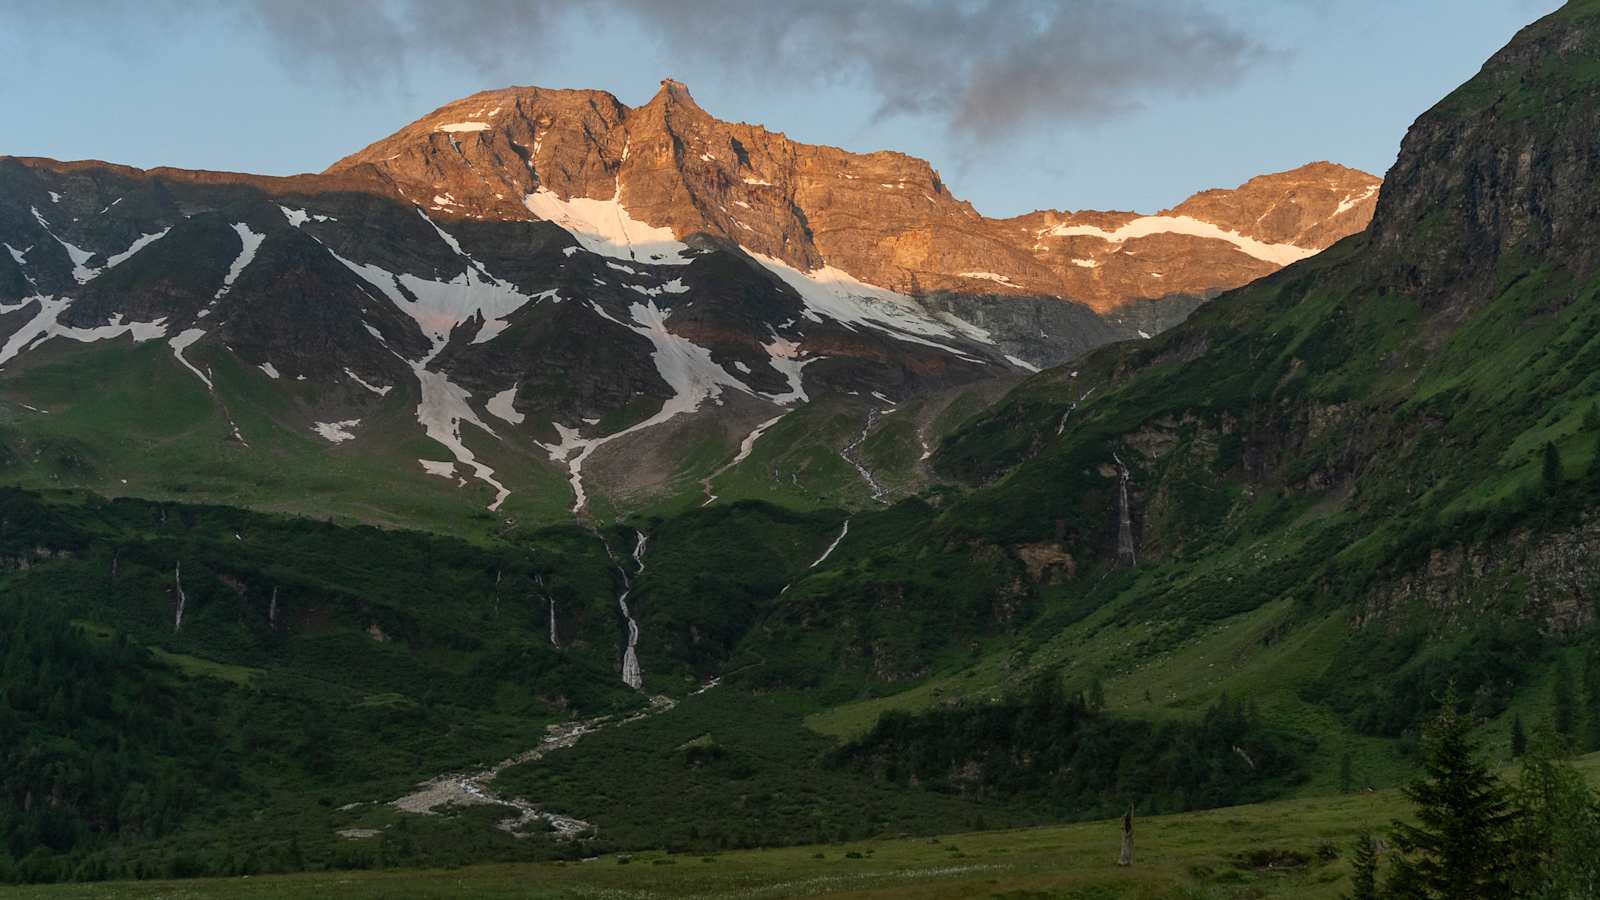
(979, 68)
(371, 42)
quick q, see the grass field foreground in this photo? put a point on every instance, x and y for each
(1294, 848)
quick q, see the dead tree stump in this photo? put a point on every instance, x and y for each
(1126, 859)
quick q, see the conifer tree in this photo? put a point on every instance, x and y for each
(1364, 878)
(1591, 697)
(1564, 701)
(1519, 738)
(1462, 844)
(1558, 832)
(1097, 696)
(1552, 468)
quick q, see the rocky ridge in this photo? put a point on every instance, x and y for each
(885, 218)
(550, 279)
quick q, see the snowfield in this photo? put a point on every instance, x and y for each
(1144, 226)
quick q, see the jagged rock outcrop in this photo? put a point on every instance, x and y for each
(1505, 165)
(1550, 576)
(885, 218)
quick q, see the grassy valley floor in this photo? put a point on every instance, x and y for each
(1293, 848)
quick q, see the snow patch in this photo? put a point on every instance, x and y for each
(442, 305)
(675, 286)
(442, 410)
(182, 342)
(272, 371)
(746, 447)
(1144, 226)
(840, 296)
(441, 469)
(138, 244)
(605, 227)
(249, 242)
(785, 357)
(989, 276)
(336, 432)
(44, 325)
(458, 127)
(688, 370)
(79, 256)
(380, 391)
(298, 217)
(1353, 200)
(1021, 363)
(502, 406)
(981, 335)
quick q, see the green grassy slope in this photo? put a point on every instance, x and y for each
(1301, 850)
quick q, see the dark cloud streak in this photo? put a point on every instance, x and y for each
(980, 68)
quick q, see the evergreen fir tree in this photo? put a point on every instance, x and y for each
(1462, 844)
(1594, 467)
(1558, 834)
(1364, 877)
(1346, 774)
(1519, 738)
(1097, 696)
(1591, 696)
(1552, 468)
(1564, 701)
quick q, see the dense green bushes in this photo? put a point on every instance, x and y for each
(1064, 754)
(1389, 684)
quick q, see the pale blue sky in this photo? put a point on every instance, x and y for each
(154, 84)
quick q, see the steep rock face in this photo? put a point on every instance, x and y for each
(1504, 165)
(1550, 576)
(885, 218)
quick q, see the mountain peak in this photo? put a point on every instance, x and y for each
(1504, 164)
(675, 90)
(885, 218)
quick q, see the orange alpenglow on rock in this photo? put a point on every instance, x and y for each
(649, 177)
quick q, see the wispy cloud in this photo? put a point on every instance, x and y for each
(978, 68)
(981, 67)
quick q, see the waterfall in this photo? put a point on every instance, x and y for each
(1124, 517)
(177, 580)
(555, 641)
(1062, 425)
(850, 454)
(631, 674)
